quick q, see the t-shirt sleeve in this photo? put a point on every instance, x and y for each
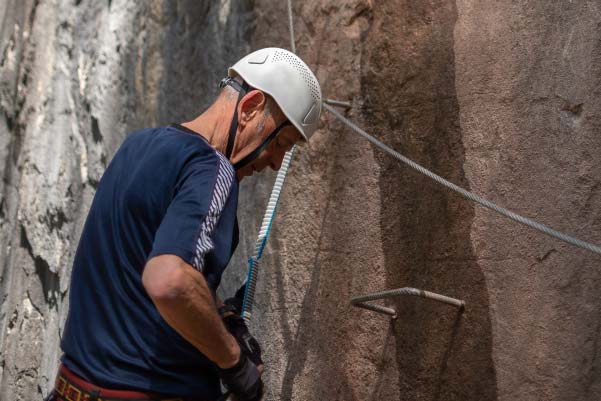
(188, 227)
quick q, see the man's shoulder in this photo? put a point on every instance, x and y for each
(174, 149)
(201, 151)
(171, 143)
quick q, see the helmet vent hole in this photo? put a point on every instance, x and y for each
(293, 60)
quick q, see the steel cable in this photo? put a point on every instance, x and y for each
(466, 194)
(291, 27)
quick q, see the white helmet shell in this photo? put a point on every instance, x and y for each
(288, 80)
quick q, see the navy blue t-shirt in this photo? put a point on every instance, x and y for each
(166, 191)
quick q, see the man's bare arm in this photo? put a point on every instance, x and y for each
(184, 300)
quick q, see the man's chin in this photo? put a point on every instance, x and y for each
(245, 172)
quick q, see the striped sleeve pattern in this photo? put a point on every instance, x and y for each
(221, 191)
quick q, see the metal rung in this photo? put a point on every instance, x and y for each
(362, 300)
(338, 103)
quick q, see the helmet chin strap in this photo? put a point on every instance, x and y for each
(255, 153)
(243, 89)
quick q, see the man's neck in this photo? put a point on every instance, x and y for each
(212, 126)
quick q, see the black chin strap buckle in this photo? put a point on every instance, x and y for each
(231, 82)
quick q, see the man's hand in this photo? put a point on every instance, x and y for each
(236, 325)
(243, 380)
(248, 344)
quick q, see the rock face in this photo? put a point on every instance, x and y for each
(502, 99)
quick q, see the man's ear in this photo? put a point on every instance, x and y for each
(250, 105)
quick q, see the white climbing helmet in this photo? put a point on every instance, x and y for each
(288, 80)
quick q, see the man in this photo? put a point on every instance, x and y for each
(143, 321)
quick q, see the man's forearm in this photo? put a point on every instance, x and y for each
(188, 306)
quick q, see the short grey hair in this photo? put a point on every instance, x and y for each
(232, 94)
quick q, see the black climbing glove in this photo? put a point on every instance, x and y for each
(237, 327)
(234, 304)
(243, 380)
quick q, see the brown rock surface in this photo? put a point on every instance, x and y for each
(502, 98)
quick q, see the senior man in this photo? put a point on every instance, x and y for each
(143, 321)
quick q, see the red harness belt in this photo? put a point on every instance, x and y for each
(71, 387)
